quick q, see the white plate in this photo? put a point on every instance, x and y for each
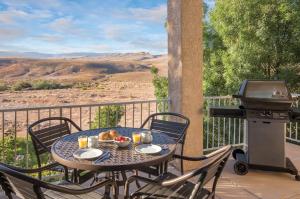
(87, 154)
(148, 149)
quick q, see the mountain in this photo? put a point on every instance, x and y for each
(37, 55)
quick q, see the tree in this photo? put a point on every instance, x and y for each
(214, 81)
(160, 84)
(260, 39)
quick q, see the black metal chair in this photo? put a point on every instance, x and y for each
(173, 125)
(15, 182)
(188, 186)
(44, 133)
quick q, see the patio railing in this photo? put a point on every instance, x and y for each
(16, 147)
(221, 131)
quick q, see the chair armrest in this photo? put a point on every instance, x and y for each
(182, 179)
(203, 157)
(34, 170)
(189, 158)
(135, 178)
(75, 125)
(217, 152)
(66, 190)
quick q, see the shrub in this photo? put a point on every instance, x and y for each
(161, 85)
(14, 150)
(108, 116)
(154, 70)
(48, 85)
(18, 86)
(3, 87)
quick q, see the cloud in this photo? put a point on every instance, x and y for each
(147, 43)
(98, 48)
(114, 32)
(9, 16)
(13, 16)
(67, 25)
(33, 3)
(120, 32)
(50, 37)
(11, 33)
(62, 24)
(156, 14)
(13, 47)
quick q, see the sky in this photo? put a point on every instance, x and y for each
(65, 26)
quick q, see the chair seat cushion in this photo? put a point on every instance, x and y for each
(181, 191)
(49, 194)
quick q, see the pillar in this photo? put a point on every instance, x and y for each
(185, 64)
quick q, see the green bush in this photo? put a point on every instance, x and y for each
(154, 70)
(48, 85)
(14, 152)
(18, 86)
(161, 85)
(107, 116)
(3, 87)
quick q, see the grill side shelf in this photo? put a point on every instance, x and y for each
(229, 112)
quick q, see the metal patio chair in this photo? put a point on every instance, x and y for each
(44, 133)
(188, 186)
(15, 182)
(171, 124)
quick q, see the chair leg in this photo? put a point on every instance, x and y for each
(116, 191)
(8, 194)
(66, 171)
(40, 175)
(95, 178)
(75, 176)
(107, 187)
(124, 176)
(138, 185)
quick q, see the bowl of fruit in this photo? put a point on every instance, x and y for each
(122, 141)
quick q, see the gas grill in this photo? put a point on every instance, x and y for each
(266, 106)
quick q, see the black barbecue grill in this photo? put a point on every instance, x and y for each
(266, 106)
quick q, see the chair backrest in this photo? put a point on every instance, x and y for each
(172, 124)
(23, 186)
(215, 168)
(5, 185)
(211, 168)
(46, 131)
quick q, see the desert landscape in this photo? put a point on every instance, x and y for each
(97, 78)
(90, 79)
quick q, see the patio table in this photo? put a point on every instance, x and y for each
(121, 159)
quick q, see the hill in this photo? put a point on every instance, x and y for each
(79, 66)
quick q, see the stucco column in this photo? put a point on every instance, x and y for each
(185, 69)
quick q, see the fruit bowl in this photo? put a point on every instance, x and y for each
(122, 141)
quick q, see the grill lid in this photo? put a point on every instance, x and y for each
(264, 94)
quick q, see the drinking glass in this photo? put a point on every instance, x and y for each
(82, 141)
(136, 137)
(93, 141)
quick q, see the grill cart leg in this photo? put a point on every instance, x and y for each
(241, 165)
(292, 169)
